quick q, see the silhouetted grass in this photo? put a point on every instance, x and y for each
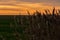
(31, 27)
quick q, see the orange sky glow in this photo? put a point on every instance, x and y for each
(21, 8)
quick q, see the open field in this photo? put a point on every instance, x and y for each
(29, 28)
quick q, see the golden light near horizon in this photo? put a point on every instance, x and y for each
(13, 7)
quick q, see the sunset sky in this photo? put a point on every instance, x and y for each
(16, 7)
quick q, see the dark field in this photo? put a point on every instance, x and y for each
(30, 27)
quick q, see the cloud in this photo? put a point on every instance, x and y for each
(39, 0)
(16, 6)
(46, 2)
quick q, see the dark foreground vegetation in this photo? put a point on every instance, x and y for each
(30, 27)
